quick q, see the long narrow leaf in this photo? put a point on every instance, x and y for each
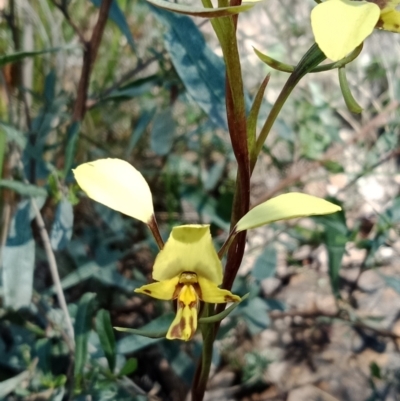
(106, 335)
(83, 325)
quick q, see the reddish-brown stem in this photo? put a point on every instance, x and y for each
(89, 56)
(156, 232)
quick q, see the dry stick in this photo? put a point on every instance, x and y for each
(53, 270)
(376, 122)
(89, 56)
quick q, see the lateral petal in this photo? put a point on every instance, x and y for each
(117, 184)
(389, 20)
(161, 290)
(212, 294)
(189, 249)
(339, 26)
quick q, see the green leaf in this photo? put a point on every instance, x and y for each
(162, 132)
(284, 207)
(134, 343)
(13, 57)
(3, 146)
(82, 327)
(222, 315)
(275, 64)
(255, 315)
(70, 149)
(116, 15)
(106, 335)
(253, 116)
(200, 69)
(129, 367)
(348, 97)
(18, 263)
(61, 230)
(23, 189)
(139, 130)
(200, 11)
(9, 385)
(265, 265)
(18, 258)
(14, 135)
(133, 89)
(335, 238)
(157, 328)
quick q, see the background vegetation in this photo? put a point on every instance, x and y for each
(322, 318)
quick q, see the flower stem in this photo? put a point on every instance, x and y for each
(152, 224)
(309, 61)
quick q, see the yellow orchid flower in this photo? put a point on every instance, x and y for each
(340, 26)
(187, 269)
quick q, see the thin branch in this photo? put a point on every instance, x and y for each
(89, 56)
(72, 24)
(130, 74)
(53, 270)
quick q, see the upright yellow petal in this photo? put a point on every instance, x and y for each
(389, 21)
(188, 249)
(165, 290)
(339, 26)
(212, 294)
(118, 185)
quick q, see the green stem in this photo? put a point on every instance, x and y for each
(310, 60)
(204, 364)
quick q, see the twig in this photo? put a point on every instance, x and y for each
(130, 74)
(53, 270)
(89, 56)
(72, 24)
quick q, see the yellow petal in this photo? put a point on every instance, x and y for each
(339, 26)
(283, 207)
(184, 325)
(161, 290)
(188, 249)
(212, 294)
(389, 21)
(118, 185)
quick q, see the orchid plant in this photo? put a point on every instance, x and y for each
(188, 269)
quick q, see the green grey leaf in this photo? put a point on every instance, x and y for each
(162, 132)
(265, 264)
(157, 328)
(14, 135)
(22, 188)
(82, 327)
(116, 15)
(129, 367)
(9, 385)
(61, 230)
(200, 69)
(200, 11)
(106, 335)
(13, 57)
